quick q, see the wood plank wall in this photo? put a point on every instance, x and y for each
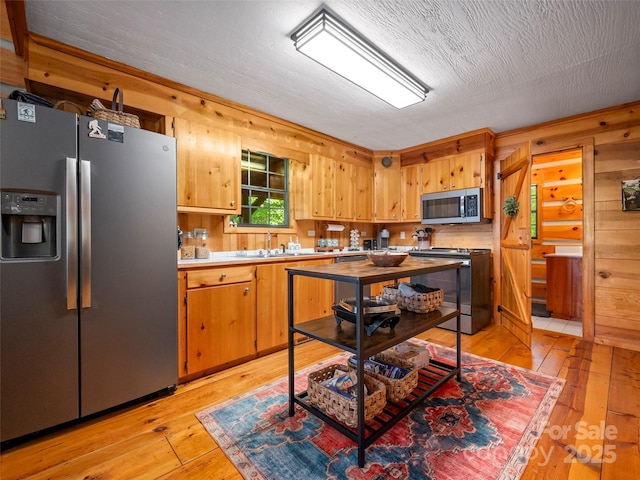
(610, 141)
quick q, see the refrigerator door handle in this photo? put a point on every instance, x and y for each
(72, 233)
(85, 232)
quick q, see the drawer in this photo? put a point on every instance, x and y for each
(219, 276)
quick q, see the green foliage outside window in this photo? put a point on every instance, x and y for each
(265, 199)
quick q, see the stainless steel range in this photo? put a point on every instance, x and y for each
(475, 285)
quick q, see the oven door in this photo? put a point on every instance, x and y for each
(446, 280)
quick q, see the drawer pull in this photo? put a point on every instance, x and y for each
(223, 276)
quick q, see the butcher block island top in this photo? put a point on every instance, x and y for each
(364, 272)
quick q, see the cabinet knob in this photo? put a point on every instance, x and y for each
(233, 203)
(247, 290)
(223, 276)
(453, 185)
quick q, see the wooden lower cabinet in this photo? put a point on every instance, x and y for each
(314, 298)
(220, 311)
(228, 315)
(564, 286)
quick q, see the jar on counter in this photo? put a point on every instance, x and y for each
(202, 251)
(188, 250)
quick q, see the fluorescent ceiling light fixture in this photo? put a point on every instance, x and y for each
(331, 43)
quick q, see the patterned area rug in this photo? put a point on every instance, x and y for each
(485, 427)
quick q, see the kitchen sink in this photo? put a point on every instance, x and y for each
(263, 254)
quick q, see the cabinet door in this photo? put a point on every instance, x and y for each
(559, 286)
(314, 298)
(208, 167)
(387, 203)
(221, 325)
(345, 190)
(271, 306)
(436, 176)
(364, 194)
(466, 171)
(411, 191)
(322, 186)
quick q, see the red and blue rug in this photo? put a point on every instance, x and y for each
(484, 427)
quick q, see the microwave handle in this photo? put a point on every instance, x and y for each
(462, 206)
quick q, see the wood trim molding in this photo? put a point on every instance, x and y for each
(587, 145)
(204, 97)
(18, 24)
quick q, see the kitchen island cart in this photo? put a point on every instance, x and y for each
(353, 338)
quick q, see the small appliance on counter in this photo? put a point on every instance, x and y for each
(424, 238)
(354, 239)
(383, 239)
(370, 245)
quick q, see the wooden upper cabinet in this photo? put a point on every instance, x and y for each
(364, 193)
(411, 191)
(387, 198)
(454, 173)
(322, 186)
(328, 189)
(208, 168)
(467, 170)
(345, 190)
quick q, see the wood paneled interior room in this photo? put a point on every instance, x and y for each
(551, 153)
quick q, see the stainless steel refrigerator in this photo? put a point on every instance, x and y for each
(88, 279)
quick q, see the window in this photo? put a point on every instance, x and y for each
(265, 199)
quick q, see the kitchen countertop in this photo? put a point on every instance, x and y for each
(221, 259)
(566, 251)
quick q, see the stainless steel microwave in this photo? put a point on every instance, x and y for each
(454, 206)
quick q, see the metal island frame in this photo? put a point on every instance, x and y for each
(353, 338)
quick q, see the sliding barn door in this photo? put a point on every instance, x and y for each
(515, 245)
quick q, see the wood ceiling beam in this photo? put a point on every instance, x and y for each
(18, 24)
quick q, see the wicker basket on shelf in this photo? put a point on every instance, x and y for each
(340, 406)
(397, 389)
(418, 302)
(116, 113)
(418, 355)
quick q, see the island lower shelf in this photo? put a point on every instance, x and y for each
(344, 336)
(430, 378)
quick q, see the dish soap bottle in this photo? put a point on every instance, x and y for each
(291, 246)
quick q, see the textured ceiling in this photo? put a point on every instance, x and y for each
(496, 64)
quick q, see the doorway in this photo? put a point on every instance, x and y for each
(557, 241)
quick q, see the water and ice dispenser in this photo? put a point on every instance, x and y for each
(30, 223)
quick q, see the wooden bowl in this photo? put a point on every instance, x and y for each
(387, 258)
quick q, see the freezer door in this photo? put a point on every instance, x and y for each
(128, 290)
(38, 333)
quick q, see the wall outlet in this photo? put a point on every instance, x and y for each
(401, 235)
(311, 233)
(363, 234)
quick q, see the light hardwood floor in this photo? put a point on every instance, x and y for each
(597, 417)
